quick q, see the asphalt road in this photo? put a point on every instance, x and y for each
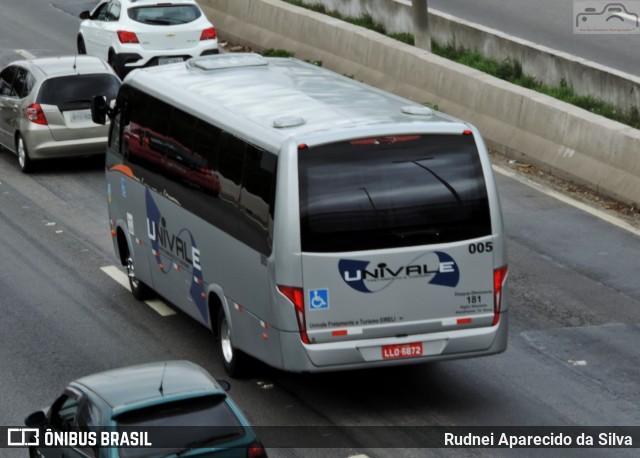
(574, 312)
(550, 23)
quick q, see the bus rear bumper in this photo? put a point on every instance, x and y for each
(361, 354)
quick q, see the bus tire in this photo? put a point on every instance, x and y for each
(233, 360)
(139, 290)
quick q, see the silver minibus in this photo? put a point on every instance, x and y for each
(310, 221)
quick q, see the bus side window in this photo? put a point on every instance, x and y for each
(205, 143)
(259, 168)
(256, 197)
(181, 164)
(182, 130)
(230, 160)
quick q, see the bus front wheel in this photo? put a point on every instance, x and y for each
(139, 290)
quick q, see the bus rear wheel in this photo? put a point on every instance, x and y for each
(233, 360)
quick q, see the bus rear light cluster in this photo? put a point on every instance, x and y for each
(296, 296)
(499, 277)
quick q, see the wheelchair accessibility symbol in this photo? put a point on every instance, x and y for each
(318, 299)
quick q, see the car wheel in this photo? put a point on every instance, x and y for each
(233, 360)
(23, 155)
(113, 63)
(139, 290)
(82, 49)
(112, 59)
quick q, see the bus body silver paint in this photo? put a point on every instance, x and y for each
(200, 234)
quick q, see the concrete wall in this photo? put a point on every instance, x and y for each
(545, 64)
(557, 137)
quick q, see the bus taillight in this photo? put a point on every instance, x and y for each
(296, 296)
(499, 276)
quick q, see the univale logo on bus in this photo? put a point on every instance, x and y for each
(177, 250)
(181, 249)
(438, 267)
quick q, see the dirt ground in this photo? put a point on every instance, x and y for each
(628, 213)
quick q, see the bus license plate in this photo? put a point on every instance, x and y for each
(410, 350)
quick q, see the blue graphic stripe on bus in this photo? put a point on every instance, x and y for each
(180, 249)
(153, 222)
(448, 272)
(438, 268)
(197, 285)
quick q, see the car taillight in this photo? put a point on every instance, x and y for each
(208, 34)
(296, 296)
(256, 450)
(499, 276)
(35, 114)
(127, 37)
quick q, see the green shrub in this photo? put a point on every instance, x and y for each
(277, 53)
(508, 69)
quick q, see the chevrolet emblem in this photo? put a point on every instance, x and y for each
(171, 35)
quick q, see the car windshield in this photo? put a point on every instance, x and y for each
(74, 92)
(165, 14)
(182, 425)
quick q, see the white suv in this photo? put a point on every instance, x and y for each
(131, 34)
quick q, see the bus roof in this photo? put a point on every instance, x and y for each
(268, 100)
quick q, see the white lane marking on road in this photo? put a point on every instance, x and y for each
(160, 307)
(26, 54)
(569, 200)
(120, 277)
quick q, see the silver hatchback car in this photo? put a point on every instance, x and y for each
(45, 107)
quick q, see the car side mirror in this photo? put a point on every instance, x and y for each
(99, 109)
(85, 15)
(224, 384)
(36, 419)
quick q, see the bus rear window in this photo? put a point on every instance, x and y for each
(392, 192)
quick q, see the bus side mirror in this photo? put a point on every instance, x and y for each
(85, 15)
(99, 109)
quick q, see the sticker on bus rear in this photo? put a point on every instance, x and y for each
(437, 268)
(318, 299)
